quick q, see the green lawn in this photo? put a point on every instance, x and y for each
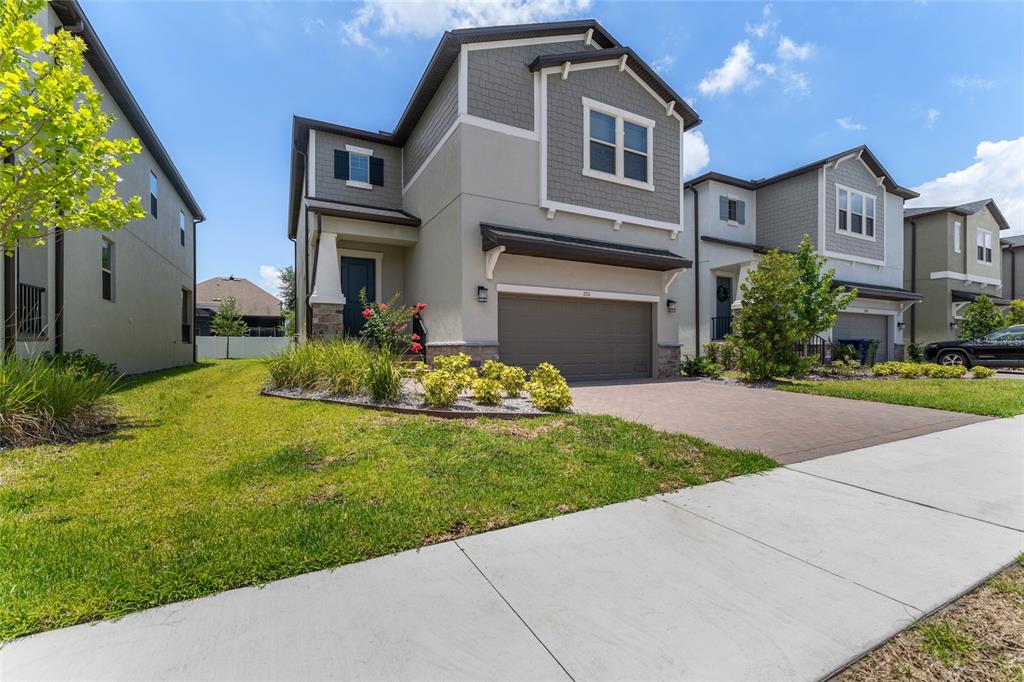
(210, 486)
(994, 397)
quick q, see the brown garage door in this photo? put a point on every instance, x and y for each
(584, 338)
(864, 326)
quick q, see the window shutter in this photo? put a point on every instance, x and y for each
(723, 208)
(741, 212)
(341, 164)
(376, 171)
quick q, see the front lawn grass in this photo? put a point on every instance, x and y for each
(992, 397)
(210, 486)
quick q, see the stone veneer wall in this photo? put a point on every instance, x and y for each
(667, 362)
(327, 320)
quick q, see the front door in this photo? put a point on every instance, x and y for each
(723, 308)
(357, 274)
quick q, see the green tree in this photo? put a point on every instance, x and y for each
(61, 169)
(289, 322)
(287, 279)
(1015, 313)
(820, 301)
(228, 320)
(981, 316)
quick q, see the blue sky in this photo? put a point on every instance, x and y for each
(934, 88)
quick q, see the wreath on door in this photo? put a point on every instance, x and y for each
(723, 293)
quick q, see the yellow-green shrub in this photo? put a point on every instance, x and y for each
(913, 370)
(439, 388)
(945, 371)
(486, 391)
(982, 372)
(886, 369)
(548, 390)
(457, 366)
(513, 379)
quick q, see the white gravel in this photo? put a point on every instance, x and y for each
(413, 399)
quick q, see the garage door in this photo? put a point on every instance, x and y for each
(584, 338)
(862, 326)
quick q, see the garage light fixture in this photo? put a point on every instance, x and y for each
(481, 294)
(671, 305)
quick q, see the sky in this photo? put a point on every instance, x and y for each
(934, 88)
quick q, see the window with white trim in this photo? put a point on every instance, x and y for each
(984, 246)
(957, 229)
(154, 189)
(181, 227)
(855, 213)
(359, 167)
(617, 145)
(107, 270)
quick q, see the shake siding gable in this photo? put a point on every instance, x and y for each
(387, 195)
(440, 115)
(788, 210)
(853, 174)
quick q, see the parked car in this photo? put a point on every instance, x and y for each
(1003, 348)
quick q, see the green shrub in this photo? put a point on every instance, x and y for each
(844, 352)
(1014, 313)
(383, 377)
(439, 388)
(944, 371)
(492, 369)
(81, 361)
(915, 352)
(701, 367)
(872, 352)
(913, 370)
(513, 379)
(487, 391)
(980, 372)
(457, 366)
(980, 317)
(46, 401)
(548, 389)
(336, 366)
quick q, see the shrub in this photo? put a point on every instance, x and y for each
(548, 389)
(336, 365)
(46, 401)
(944, 371)
(701, 367)
(462, 375)
(513, 379)
(387, 324)
(980, 317)
(872, 352)
(383, 378)
(913, 370)
(915, 353)
(842, 352)
(81, 361)
(722, 353)
(980, 372)
(439, 389)
(1015, 313)
(487, 391)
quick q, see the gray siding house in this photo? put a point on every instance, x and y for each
(531, 195)
(850, 208)
(125, 295)
(952, 257)
(1013, 267)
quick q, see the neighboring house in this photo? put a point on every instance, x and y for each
(260, 310)
(530, 194)
(1013, 266)
(124, 295)
(850, 208)
(952, 256)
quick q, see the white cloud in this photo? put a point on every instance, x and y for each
(663, 63)
(734, 72)
(795, 82)
(696, 154)
(270, 279)
(767, 25)
(766, 69)
(847, 123)
(312, 24)
(932, 115)
(971, 83)
(789, 51)
(425, 18)
(997, 172)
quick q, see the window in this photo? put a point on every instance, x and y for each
(153, 193)
(957, 227)
(731, 210)
(617, 145)
(359, 168)
(186, 316)
(855, 213)
(107, 270)
(181, 227)
(984, 246)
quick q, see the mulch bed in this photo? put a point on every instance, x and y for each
(411, 402)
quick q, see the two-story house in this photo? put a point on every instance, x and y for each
(952, 257)
(1013, 266)
(126, 295)
(531, 194)
(847, 204)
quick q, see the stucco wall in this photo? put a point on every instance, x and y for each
(982, 220)
(388, 195)
(1013, 280)
(433, 124)
(891, 273)
(788, 210)
(853, 174)
(711, 223)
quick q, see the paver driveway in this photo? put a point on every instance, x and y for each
(788, 427)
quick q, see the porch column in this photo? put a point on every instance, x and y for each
(327, 301)
(745, 269)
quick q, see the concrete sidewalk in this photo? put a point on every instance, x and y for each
(785, 575)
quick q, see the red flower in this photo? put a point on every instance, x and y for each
(383, 306)
(420, 307)
(415, 347)
(367, 312)
(415, 337)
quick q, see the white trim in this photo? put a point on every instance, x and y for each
(542, 130)
(491, 259)
(551, 214)
(378, 268)
(670, 107)
(463, 80)
(610, 215)
(352, 149)
(503, 128)
(430, 156)
(616, 225)
(986, 245)
(622, 62)
(852, 259)
(966, 277)
(358, 184)
(575, 293)
(822, 188)
(616, 111)
(589, 37)
(311, 170)
(621, 116)
(669, 277)
(856, 309)
(850, 191)
(652, 93)
(522, 42)
(957, 237)
(565, 70)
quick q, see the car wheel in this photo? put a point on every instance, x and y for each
(954, 358)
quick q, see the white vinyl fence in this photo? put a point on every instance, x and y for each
(238, 347)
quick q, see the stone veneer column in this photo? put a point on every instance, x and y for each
(479, 352)
(668, 363)
(327, 301)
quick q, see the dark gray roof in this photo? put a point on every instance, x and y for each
(879, 291)
(1014, 242)
(866, 154)
(362, 212)
(70, 13)
(969, 208)
(973, 296)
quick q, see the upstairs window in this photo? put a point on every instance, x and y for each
(957, 228)
(855, 213)
(181, 227)
(153, 193)
(617, 145)
(984, 247)
(731, 210)
(358, 167)
(107, 270)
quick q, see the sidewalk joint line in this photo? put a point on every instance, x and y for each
(518, 615)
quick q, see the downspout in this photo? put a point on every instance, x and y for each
(195, 247)
(913, 279)
(696, 270)
(10, 325)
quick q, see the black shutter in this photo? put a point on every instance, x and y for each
(341, 164)
(723, 208)
(741, 213)
(376, 171)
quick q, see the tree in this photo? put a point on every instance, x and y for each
(981, 316)
(228, 320)
(60, 170)
(1015, 313)
(820, 301)
(288, 327)
(287, 279)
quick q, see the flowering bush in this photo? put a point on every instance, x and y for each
(982, 372)
(387, 324)
(548, 390)
(486, 391)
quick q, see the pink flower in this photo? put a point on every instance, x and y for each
(415, 347)
(383, 306)
(367, 312)
(415, 337)
(420, 307)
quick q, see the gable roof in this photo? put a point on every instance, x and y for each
(251, 299)
(1014, 242)
(72, 17)
(862, 151)
(969, 208)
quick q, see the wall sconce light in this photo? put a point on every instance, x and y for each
(671, 305)
(481, 294)
(901, 325)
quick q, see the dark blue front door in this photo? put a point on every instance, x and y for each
(357, 274)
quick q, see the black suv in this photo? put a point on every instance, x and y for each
(1004, 348)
